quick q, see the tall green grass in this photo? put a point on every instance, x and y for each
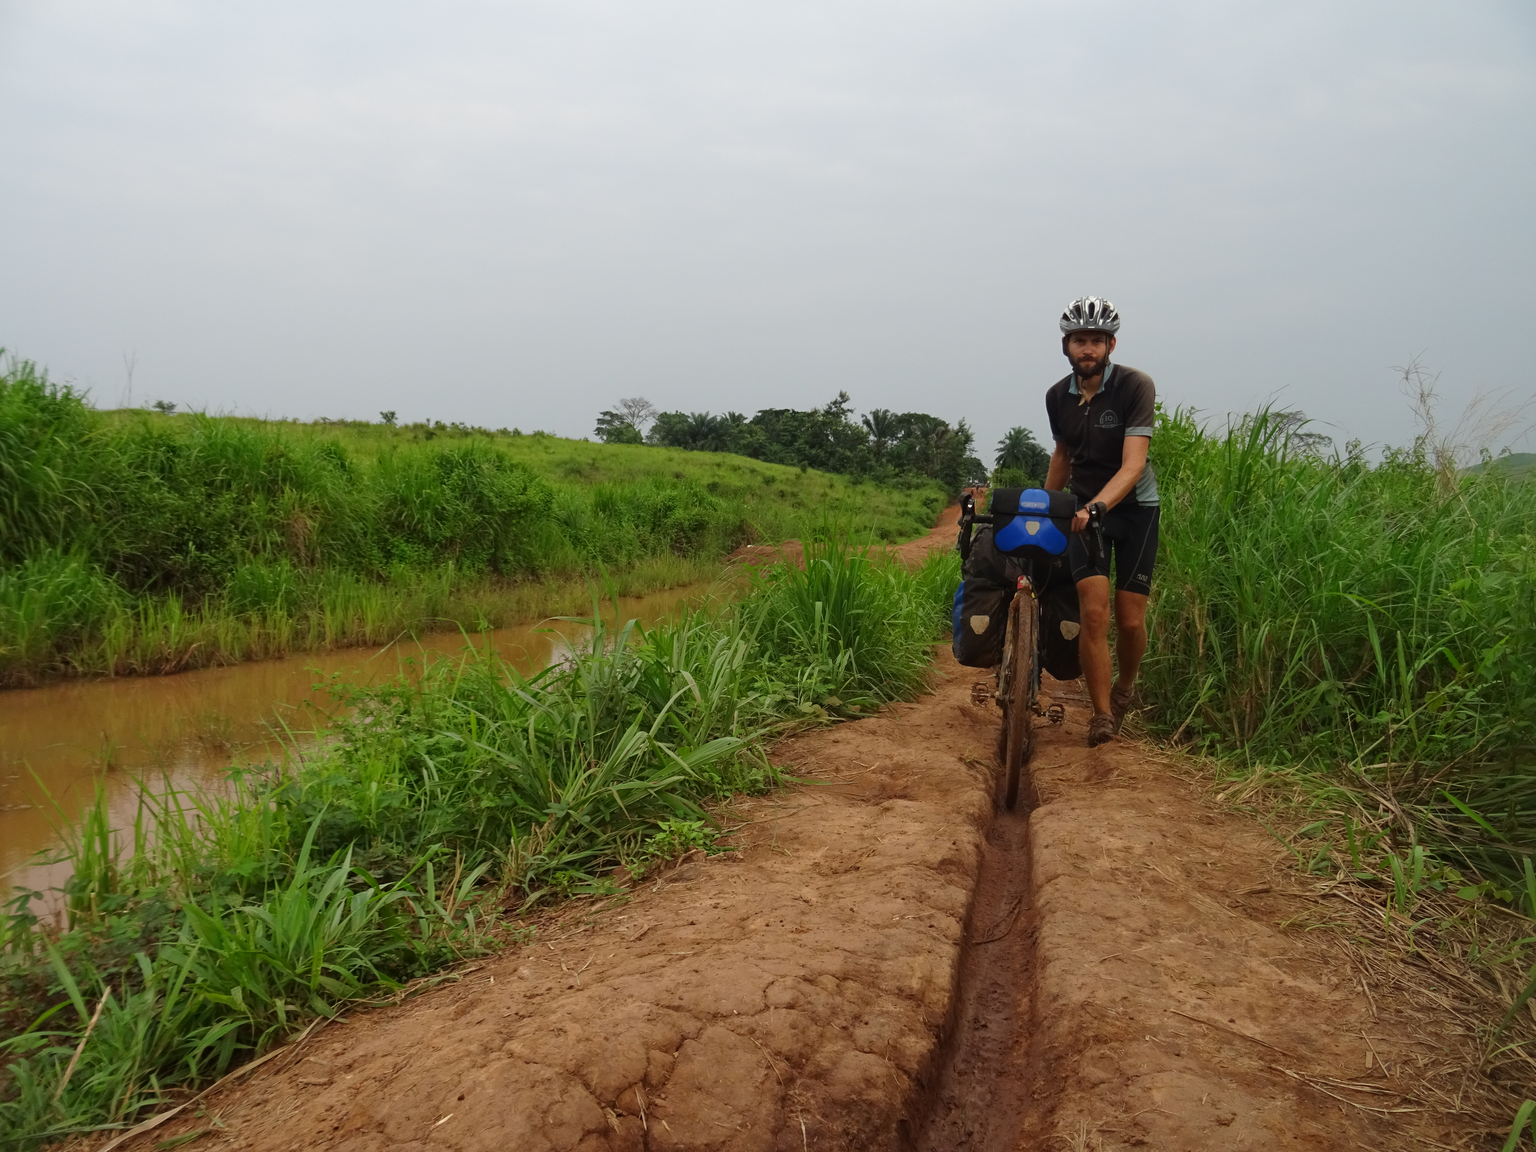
(221, 923)
(1363, 637)
(1372, 622)
(141, 542)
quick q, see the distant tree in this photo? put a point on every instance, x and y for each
(1019, 449)
(669, 429)
(1293, 429)
(387, 418)
(614, 428)
(927, 445)
(883, 426)
(825, 438)
(917, 436)
(883, 444)
(703, 432)
(953, 457)
(638, 411)
(744, 437)
(164, 406)
(708, 433)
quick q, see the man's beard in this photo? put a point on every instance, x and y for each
(1088, 367)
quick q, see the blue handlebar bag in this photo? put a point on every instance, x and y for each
(1031, 521)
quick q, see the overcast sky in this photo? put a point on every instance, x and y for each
(516, 213)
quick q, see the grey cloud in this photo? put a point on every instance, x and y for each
(514, 214)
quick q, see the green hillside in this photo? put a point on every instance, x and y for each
(774, 498)
(134, 541)
(1520, 464)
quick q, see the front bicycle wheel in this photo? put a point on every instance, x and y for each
(1018, 659)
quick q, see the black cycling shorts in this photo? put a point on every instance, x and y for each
(1130, 533)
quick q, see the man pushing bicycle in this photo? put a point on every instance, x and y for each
(1101, 417)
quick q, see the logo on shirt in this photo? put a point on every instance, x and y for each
(1108, 419)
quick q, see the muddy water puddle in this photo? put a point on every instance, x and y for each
(192, 727)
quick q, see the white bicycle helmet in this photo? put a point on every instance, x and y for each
(1092, 314)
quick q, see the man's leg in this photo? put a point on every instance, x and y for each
(1093, 640)
(1130, 636)
(1135, 547)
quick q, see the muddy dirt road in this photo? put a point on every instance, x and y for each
(785, 995)
(1128, 982)
(887, 962)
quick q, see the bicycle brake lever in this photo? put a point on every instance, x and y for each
(1096, 512)
(967, 518)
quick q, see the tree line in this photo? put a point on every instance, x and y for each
(882, 445)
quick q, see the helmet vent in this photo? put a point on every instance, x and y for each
(1090, 314)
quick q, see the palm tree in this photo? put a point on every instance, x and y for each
(883, 427)
(707, 433)
(1019, 449)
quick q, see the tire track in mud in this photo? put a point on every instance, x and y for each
(978, 1100)
(985, 1093)
(1125, 982)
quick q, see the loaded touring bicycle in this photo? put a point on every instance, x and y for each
(1016, 607)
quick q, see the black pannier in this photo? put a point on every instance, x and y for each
(980, 619)
(987, 583)
(1059, 626)
(1033, 526)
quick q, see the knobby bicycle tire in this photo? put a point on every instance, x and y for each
(1019, 657)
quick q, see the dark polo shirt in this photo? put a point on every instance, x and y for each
(1095, 432)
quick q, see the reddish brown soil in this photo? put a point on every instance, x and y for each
(887, 963)
(784, 996)
(942, 535)
(1144, 993)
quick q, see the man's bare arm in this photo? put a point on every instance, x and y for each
(1133, 460)
(1061, 468)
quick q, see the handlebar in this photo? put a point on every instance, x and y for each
(969, 517)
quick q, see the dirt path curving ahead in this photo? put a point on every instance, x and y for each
(886, 962)
(912, 553)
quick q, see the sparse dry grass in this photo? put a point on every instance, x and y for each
(1450, 969)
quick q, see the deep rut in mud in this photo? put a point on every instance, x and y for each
(978, 1100)
(887, 961)
(1125, 982)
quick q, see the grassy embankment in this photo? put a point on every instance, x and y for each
(136, 542)
(1363, 639)
(1515, 465)
(339, 878)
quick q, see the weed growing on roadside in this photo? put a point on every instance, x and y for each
(1363, 621)
(1365, 636)
(236, 918)
(134, 542)
(674, 838)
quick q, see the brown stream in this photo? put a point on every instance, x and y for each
(194, 725)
